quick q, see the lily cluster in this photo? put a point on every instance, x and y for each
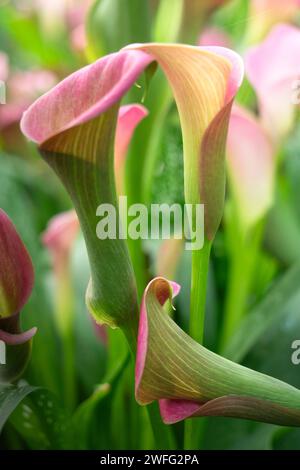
(74, 126)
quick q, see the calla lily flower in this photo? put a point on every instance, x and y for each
(16, 282)
(204, 108)
(77, 140)
(264, 14)
(251, 166)
(189, 380)
(273, 79)
(74, 126)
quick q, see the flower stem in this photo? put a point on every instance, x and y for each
(200, 265)
(193, 430)
(65, 324)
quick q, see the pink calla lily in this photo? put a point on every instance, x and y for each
(74, 125)
(16, 282)
(16, 274)
(204, 108)
(273, 79)
(189, 381)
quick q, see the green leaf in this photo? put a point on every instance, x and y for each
(10, 397)
(42, 422)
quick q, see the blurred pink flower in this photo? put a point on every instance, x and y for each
(75, 17)
(264, 14)
(251, 165)
(273, 70)
(23, 87)
(59, 17)
(78, 38)
(212, 36)
(59, 237)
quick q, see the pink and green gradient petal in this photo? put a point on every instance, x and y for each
(204, 107)
(84, 95)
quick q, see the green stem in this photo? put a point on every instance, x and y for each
(193, 430)
(65, 323)
(200, 265)
(139, 265)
